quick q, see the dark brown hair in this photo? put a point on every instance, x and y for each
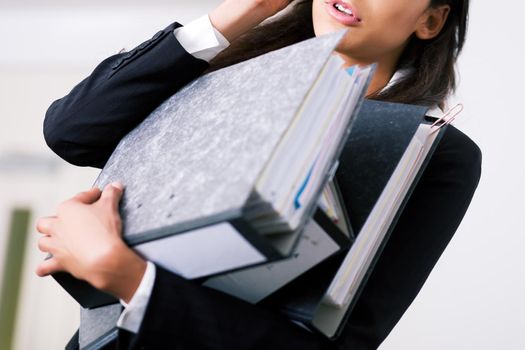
(431, 79)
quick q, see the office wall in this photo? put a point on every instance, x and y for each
(47, 49)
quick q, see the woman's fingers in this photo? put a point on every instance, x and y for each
(48, 267)
(45, 244)
(113, 193)
(45, 224)
(89, 197)
(276, 5)
(80, 228)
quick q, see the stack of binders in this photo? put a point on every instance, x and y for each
(227, 173)
(232, 183)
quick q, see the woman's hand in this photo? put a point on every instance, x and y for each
(272, 6)
(234, 17)
(84, 239)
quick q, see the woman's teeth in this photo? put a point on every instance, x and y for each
(343, 9)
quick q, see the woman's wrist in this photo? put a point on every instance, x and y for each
(120, 273)
(235, 17)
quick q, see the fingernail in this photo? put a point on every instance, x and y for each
(117, 185)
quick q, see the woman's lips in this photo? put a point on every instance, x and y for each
(346, 19)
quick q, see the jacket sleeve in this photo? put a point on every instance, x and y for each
(85, 126)
(183, 315)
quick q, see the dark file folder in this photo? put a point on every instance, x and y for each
(379, 138)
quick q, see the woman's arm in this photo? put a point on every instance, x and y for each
(85, 126)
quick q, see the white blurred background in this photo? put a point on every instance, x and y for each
(472, 300)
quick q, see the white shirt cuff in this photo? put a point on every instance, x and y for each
(201, 39)
(133, 313)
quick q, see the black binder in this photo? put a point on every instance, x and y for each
(379, 137)
(321, 239)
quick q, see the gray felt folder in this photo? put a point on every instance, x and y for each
(227, 173)
(229, 169)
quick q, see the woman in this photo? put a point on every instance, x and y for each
(417, 39)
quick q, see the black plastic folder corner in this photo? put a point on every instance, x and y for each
(372, 156)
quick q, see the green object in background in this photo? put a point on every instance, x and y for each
(10, 287)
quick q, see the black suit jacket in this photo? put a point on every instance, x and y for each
(85, 126)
